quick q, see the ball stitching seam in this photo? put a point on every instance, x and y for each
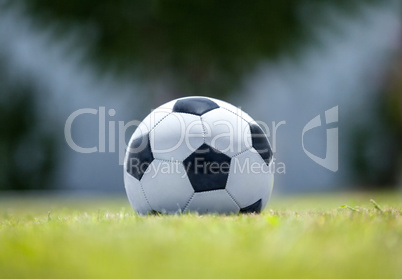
(188, 202)
(203, 129)
(236, 114)
(241, 152)
(233, 199)
(157, 123)
(145, 196)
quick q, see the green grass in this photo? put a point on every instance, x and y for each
(299, 237)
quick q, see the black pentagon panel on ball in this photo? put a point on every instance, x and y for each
(196, 105)
(207, 169)
(252, 208)
(260, 143)
(139, 156)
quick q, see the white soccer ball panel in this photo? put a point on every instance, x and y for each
(155, 117)
(150, 121)
(250, 179)
(233, 109)
(226, 132)
(217, 201)
(177, 136)
(136, 195)
(167, 186)
(266, 199)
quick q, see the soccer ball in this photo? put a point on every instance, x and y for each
(198, 154)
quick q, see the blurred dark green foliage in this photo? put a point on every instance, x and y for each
(27, 151)
(377, 156)
(199, 47)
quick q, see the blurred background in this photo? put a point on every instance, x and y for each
(280, 61)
